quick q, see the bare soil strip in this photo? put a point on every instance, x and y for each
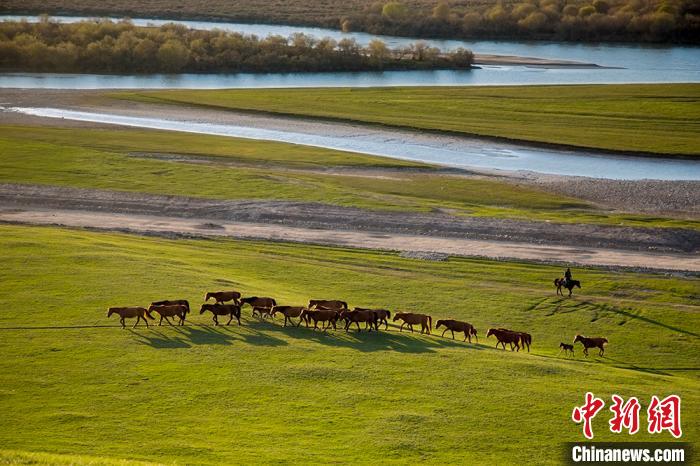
(439, 232)
(169, 226)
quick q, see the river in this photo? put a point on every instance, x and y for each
(620, 63)
(445, 150)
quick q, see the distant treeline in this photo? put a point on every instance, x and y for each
(572, 20)
(594, 20)
(120, 47)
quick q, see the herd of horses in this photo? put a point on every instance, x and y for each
(330, 314)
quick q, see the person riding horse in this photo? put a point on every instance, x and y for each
(567, 275)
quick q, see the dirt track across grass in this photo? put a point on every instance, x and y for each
(652, 248)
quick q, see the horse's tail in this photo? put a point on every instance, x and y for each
(345, 305)
(430, 323)
(148, 314)
(274, 303)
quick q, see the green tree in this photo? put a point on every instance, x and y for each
(441, 11)
(378, 52)
(173, 56)
(395, 11)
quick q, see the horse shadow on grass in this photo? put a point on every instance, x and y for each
(646, 320)
(364, 341)
(193, 335)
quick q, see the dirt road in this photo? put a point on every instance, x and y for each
(438, 232)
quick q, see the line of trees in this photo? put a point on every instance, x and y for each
(120, 47)
(587, 20)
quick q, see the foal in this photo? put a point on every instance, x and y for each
(566, 348)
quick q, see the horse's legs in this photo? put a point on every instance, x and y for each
(121, 321)
(216, 320)
(401, 328)
(386, 325)
(168, 321)
(411, 327)
(602, 350)
(137, 321)
(230, 319)
(358, 326)
(453, 334)
(466, 334)
(160, 322)
(443, 332)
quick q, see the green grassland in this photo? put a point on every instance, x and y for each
(655, 119)
(262, 393)
(245, 169)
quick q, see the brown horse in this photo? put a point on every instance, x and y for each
(328, 304)
(223, 296)
(256, 301)
(568, 284)
(457, 326)
(505, 336)
(525, 338)
(566, 348)
(288, 312)
(130, 313)
(234, 310)
(381, 316)
(263, 311)
(412, 319)
(170, 302)
(599, 343)
(363, 315)
(327, 316)
(170, 310)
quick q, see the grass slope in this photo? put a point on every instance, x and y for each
(262, 393)
(659, 119)
(244, 169)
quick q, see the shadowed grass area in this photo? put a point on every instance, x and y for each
(170, 163)
(648, 118)
(263, 393)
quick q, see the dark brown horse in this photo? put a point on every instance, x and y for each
(233, 310)
(130, 313)
(381, 316)
(170, 302)
(170, 310)
(457, 326)
(257, 301)
(568, 284)
(288, 312)
(598, 342)
(363, 315)
(525, 338)
(263, 311)
(223, 296)
(505, 336)
(328, 304)
(327, 316)
(566, 348)
(425, 321)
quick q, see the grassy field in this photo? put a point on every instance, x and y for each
(661, 119)
(74, 384)
(243, 169)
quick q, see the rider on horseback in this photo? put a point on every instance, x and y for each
(567, 276)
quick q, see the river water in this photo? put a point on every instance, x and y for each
(446, 150)
(620, 63)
